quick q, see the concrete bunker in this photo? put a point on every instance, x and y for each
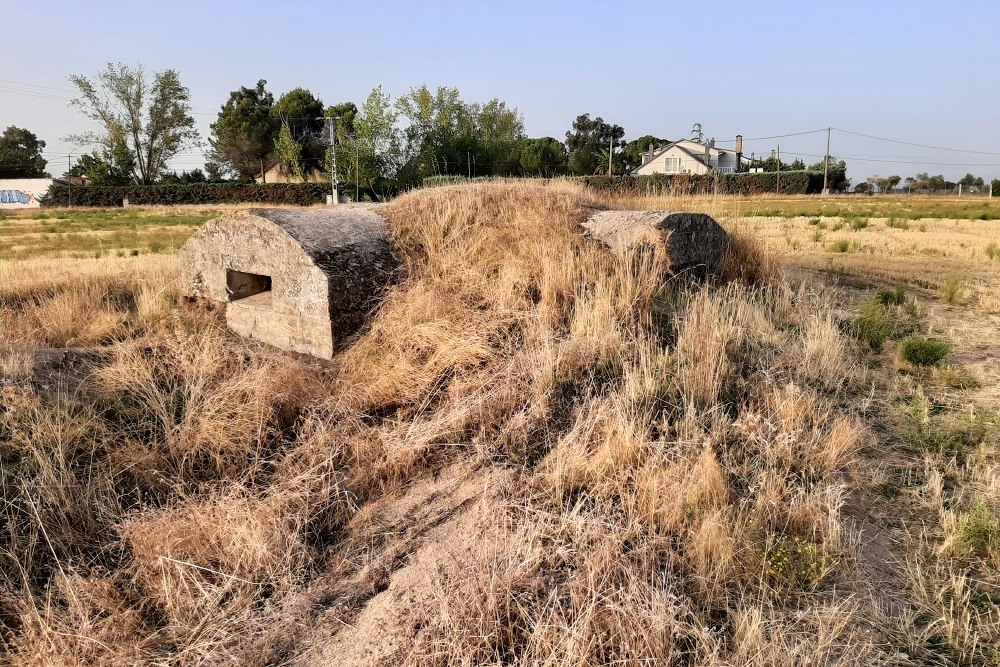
(695, 243)
(301, 280)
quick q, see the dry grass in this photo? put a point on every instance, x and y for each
(680, 455)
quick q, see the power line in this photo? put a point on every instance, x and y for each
(910, 143)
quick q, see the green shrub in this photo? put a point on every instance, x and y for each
(842, 245)
(858, 223)
(792, 182)
(814, 222)
(894, 223)
(818, 236)
(955, 378)
(993, 250)
(295, 194)
(951, 289)
(923, 350)
(892, 297)
(873, 325)
(798, 562)
(977, 531)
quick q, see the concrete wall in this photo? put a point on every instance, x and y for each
(22, 192)
(326, 269)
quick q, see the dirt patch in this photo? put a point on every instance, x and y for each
(379, 590)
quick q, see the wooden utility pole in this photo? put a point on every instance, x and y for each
(357, 171)
(611, 154)
(826, 163)
(468, 162)
(777, 182)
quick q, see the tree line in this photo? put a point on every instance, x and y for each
(384, 144)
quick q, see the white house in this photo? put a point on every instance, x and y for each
(689, 157)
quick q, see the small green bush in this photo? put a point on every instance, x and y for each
(818, 236)
(895, 223)
(797, 562)
(977, 531)
(814, 222)
(923, 350)
(951, 289)
(842, 245)
(892, 297)
(993, 250)
(873, 325)
(859, 223)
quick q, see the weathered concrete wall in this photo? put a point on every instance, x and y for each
(22, 192)
(328, 269)
(695, 242)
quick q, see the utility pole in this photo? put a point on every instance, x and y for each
(777, 182)
(69, 178)
(468, 162)
(357, 170)
(611, 154)
(826, 163)
(331, 121)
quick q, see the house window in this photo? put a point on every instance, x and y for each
(671, 165)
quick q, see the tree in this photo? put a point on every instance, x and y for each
(972, 183)
(636, 150)
(544, 157)
(697, 135)
(102, 169)
(243, 136)
(288, 151)
(587, 138)
(302, 113)
(885, 184)
(434, 120)
(379, 140)
(21, 154)
(151, 121)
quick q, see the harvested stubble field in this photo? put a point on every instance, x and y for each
(539, 452)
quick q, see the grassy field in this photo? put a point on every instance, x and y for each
(915, 207)
(78, 233)
(539, 452)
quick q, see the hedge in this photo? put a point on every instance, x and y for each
(296, 194)
(792, 183)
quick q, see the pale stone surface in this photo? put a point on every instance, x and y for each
(695, 242)
(327, 268)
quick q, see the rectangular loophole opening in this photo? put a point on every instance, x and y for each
(242, 285)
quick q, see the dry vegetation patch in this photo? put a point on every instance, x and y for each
(538, 452)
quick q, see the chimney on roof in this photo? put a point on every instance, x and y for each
(739, 151)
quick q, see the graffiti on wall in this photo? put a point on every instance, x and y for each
(16, 197)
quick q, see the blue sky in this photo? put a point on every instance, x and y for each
(921, 72)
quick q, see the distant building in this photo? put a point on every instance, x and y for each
(689, 157)
(279, 174)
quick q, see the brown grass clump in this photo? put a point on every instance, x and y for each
(679, 458)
